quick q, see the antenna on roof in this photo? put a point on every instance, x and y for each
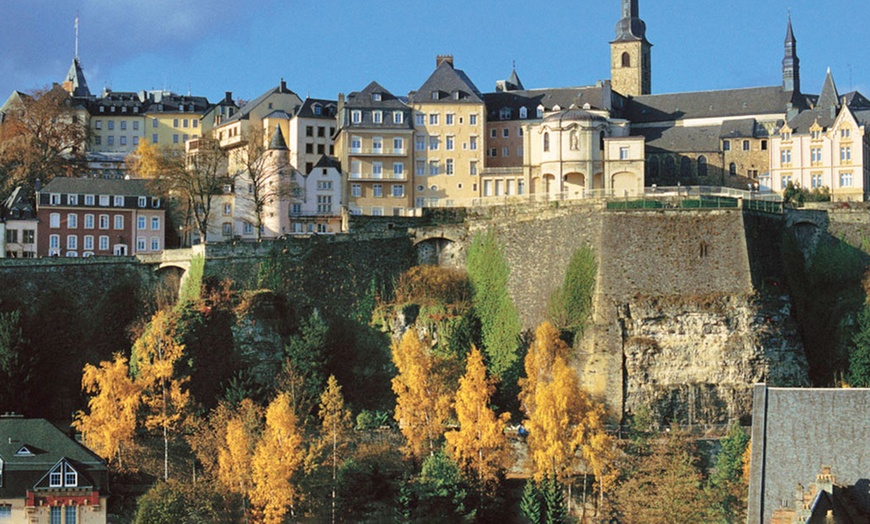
(77, 36)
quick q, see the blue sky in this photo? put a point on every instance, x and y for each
(323, 47)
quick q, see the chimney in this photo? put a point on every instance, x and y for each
(440, 59)
(228, 97)
(283, 86)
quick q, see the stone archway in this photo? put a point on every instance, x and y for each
(575, 185)
(438, 251)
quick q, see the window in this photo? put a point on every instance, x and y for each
(377, 145)
(846, 179)
(764, 145)
(247, 228)
(506, 133)
(524, 113)
(356, 117)
(111, 124)
(377, 170)
(815, 134)
(174, 122)
(845, 154)
(702, 166)
(433, 119)
(355, 144)
(296, 209)
(521, 187)
(726, 145)
(472, 120)
(72, 242)
(54, 220)
(119, 201)
(433, 143)
(98, 140)
(141, 223)
(155, 202)
(815, 180)
(505, 152)
(746, 145)
(355, 190)
(136, 125)
(448, 119)
(54, 241)
(420, 168)
(54, 512)
(449, 143)
(472, 168)
(104, 243)
(487, 188)
(142, 201)
(626, 60)
(433, 167)
(174, 139)
(420, 119)
(28, 236)
(472, 143)
(5, 509)
(110, 140)
(398, 117)
(378, 117)
(546, 142)
(398, 190)
(54, 199)
(104, 221)
(448, 166)
(324, 204)
(88, 243)
(324, 185)
(309, 130)
(845, 132)
(816, 155)
(785, 156)
(155, 223)
(119, 221)
(398, 169)
(140, 243)
(11, 236)
(420, 143)
(398, 145)
(786, 180)
(732, 169)
(356, 169)
(539, 113)
(377, 211)
(493, 133)
(154, 138)
(493, 152)
(623, 153)
(98, 124)
(70, 514)
(377, 190)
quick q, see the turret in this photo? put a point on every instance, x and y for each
(791, 68)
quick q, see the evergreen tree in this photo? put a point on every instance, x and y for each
(859, 358)
(727, 485)
(554, 501)
(530, 503)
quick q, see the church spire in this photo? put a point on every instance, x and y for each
(791, 69)
(630, 26)
(630, 62)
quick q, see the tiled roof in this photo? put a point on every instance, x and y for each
(679, 139)
(98, 186)
(708, 104)
(795, 432)
(450, 85)
(47, 446)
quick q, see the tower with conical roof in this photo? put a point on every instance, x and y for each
(74, 83)
(630, 54)
(791, 64)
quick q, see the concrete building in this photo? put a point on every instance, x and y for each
(374, 147)
(449, 125)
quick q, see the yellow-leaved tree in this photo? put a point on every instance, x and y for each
(276, 458)
(479, 446)
(422, 397)
(335, 423)
(164, 393)
(565, 424)
(111, 421)
(235, 457)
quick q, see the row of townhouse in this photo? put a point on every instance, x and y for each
(83, 217)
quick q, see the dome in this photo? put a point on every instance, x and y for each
(574, 115)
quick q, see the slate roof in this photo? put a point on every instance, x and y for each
(278, 142)
(76, 76)
(48, 446)
(445, 81)
(797, 431)
(98, 186)
(327, 162)
(679, 139)
(829, 96)
(708, 104)
(564, 98)
(363, 99)
(245, 111)
(18, 207)
(743, 128)
(328, 110)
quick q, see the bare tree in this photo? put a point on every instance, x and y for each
(41, 137)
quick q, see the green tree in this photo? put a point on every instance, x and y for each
(489, 272)
(859, 358)
(571, 305)
(728, 487)
(554, 501)
(440, 490)
(305, 354)
(187, 503)
(530, 502)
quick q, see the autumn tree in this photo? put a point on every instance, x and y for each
(276, 458)
(113, 406)
(264, 171)
(565, 424)
(164, 394)
(479, 446)
(335, 423)
(196, 177)
(422, 398)
(41, 137)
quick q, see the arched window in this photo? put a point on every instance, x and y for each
(524, 113)
(670, 167)
(652, 166)
(685, 167)
(546, 142)
(626, 60)
(732, 169)
(702, 165)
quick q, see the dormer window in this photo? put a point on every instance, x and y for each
(456, 95)
(24, 451)
(435, 95)
(143, 201)
(356, 117)
(63, 476)
(524, 113)
(540, 112)
(318, 109)
(398, 117)
(377, 117)
(376, 97)
(505, 113)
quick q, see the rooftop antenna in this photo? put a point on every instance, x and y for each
(77, 36)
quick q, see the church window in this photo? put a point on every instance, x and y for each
(546, 142)
(626, 60)
(653, 168)
(685, 167)
(702, 166)
(670, 170)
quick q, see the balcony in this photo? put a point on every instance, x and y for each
(377, 151)
(377, 176)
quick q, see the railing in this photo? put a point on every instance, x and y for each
(377, 151)
(377, 176)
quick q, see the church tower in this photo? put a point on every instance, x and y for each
(630, 67)
(791, 64)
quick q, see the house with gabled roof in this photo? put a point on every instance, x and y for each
(46, 476)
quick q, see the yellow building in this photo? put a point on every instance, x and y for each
(374, 147)
(171, 120)
(449, 123)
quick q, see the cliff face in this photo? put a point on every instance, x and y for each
(694, 361)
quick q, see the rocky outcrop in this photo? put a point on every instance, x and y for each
(693, 360)
(257, 335)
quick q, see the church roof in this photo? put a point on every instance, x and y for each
(708, 104)
(742, 128)
(630, 27)
(679, 139)
(829, 96)
(563, 98)
(76, 77)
